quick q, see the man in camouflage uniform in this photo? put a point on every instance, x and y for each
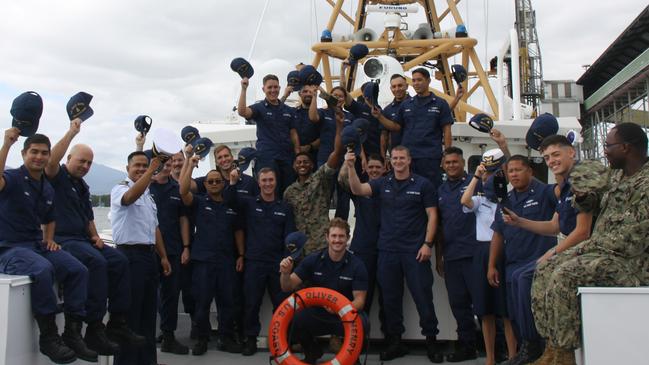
(617, 254)
(309, 196)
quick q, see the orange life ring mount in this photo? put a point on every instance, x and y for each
(315, 297)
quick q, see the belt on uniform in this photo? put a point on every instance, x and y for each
(138, 247)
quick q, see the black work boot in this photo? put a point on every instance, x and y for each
(250, 346)
(170, 344)
(72, 337)
(394, 348)
(50, 343)
(228, 344)
(434, 350)
(97, 340)
(530, 351)
(462, 351)
(200, 347)
(118, 331)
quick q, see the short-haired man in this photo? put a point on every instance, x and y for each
(268, 221)
(456, 245)
(310, 195)
(408, 224)
(134, 220)
(308, 133)
(27, 247)
(424, 121)
(77, 234)
(617, 252)
(399, 89)
(534, 200)
(277, 140)
(334, 268)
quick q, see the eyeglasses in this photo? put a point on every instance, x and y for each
(214, 182)
(609, 145)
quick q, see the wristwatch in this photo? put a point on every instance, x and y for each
(428, 243)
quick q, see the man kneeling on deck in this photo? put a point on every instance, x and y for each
(335, 268)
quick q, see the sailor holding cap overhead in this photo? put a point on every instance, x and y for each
(212, 255)
(332, 267)
(76, 232)
(27, 245)
(277, 138)
(135, 232)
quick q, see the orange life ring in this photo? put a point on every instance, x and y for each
(315, 297)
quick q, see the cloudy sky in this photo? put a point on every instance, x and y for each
(170, 60)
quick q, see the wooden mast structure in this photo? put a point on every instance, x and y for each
(411, 53)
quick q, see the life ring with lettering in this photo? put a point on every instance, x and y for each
(315, 297)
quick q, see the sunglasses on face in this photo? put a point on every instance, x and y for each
(214, 181)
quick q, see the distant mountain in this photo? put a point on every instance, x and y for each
(102, 178)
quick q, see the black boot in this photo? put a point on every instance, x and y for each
(228, 344)
(394, 348)
(97, 340)
(118, 331)
(200, 347)
(462, 351)
(434, 350)
(72, 337)
(170, 344)
(529, 352)
(51, 344)
(250, 346)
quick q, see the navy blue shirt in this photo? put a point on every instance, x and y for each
(373, 142)
(344, 276)
(391, 112)
(267, 225)
(459, 228)
(567, 213)
(274, 124)
(306, 129)
(215, 225)
(537, 203)
(72, 206)
(25, 204)
(403, 211)
(170, 209)
(327, 126)
(422, 120)
(368, 223)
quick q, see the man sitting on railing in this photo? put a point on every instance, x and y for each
(617, 254)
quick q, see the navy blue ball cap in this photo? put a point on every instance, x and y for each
(459, 73)
(242, 67)
(79, 106)
(245, 157)
(189, 134)
(293, 80)
(357, 51)
(371, 92)
(349, 136)
(26, 111)
(310, 76)
(482, 122)
(143, 124)
(544, 125)
(294, 244)
(202, 146)
(361, 125)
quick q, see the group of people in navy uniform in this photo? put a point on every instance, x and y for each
(222, 237)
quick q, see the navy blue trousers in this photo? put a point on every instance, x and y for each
(393, 267)
(370, 261)
(458, 275)
(44, 268)
(258, 277)
(521, 293)
(108, 273)
(142, 315)
(311, 322)
(186, 273)
(428, 168)
(170, 295)
(214, 281)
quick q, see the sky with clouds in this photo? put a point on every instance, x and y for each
(170, 60)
